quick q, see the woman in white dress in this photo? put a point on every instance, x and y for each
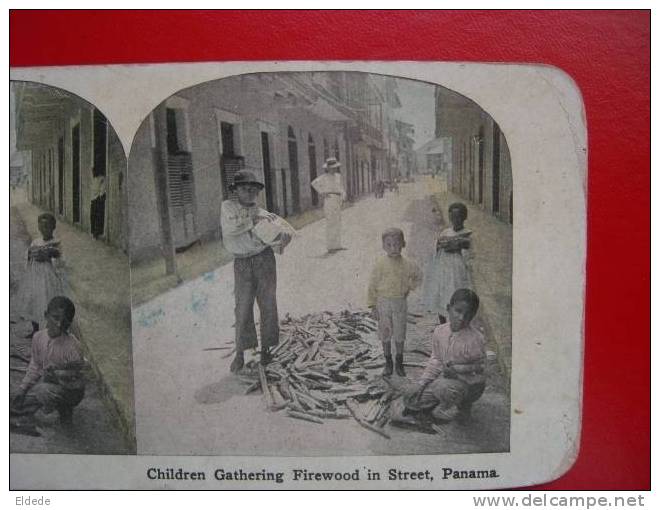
(330, 186)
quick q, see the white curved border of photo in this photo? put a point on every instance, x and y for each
(541, 113)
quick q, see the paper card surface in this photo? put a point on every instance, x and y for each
(421, 149)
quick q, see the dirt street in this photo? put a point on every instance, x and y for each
(187, 401)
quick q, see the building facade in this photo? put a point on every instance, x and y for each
(407, 160)
(434, 157)
(480, 166)
(282, 126)
(65, 141)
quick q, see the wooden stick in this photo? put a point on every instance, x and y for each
(303, 416)
(253, 387)
(279, 347)
(372, 411)
(350, 405)
(278, 398)
(329, 414)
(420, 351)
(19, 356)
(438, 429)
(270, 403)
(224, 356)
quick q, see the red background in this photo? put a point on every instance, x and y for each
(606, 52)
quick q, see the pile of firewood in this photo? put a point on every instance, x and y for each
(327, 366)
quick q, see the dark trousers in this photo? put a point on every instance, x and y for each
(443, 394)
(54, 396)
(256, 278)
(97, 216)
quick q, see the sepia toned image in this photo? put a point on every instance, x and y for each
(70, 358)
(321, 265)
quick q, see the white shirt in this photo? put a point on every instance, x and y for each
(329, 183)
(237, 222)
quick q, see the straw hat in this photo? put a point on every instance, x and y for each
(331, 163)
(245, 177)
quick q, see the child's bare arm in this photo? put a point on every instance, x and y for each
(434, 366)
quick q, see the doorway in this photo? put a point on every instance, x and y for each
(285, 210)
(98, 203)
(60, 175)
(271, 197)
(293, 168)
(481, 165)
(311, 149)
(496, 168)
(75, 172)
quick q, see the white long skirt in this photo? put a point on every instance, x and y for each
(332, 211)
(446, 273)
(41, 283)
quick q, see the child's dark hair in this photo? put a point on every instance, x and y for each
(394, 232)
(466, 296)
(62, 303)
(48, 217)
(459, 206)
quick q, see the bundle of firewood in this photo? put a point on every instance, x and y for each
(327, 367)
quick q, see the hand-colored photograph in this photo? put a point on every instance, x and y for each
(70, 358)
(321, 266)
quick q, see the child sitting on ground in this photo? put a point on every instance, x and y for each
(392, 279)
(454, 376)
(448, 270)
(44, 275)
(55, 371)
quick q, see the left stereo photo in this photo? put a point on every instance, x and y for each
(71, 375)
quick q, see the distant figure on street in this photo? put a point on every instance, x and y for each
(331, 188)
(255, 272)
(392, 279)
(97, 207)
(379, 189)
(448, 270)
(54, 375)
(44, 274)
(454, 377)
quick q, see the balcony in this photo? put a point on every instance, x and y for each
(367, 133)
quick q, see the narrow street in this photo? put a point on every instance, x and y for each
(188, 402)
(95, 429)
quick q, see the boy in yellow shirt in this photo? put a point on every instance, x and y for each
(392, 279)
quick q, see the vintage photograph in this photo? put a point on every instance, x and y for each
(70, 357)
(321, 265)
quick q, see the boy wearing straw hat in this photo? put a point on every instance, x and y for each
(255, 272)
